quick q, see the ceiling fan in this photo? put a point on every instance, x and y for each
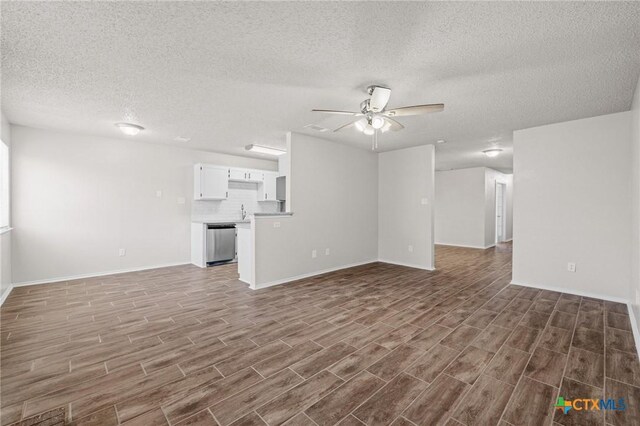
(375, 117)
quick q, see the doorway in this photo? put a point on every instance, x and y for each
(501, 211)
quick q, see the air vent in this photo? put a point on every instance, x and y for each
(317, 128)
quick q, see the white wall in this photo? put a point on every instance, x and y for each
(465, 210)
(334, 199)
(571, 204)
(77, 199)
(459, 207)
(635, 209)
(5, 239)
(405, 181)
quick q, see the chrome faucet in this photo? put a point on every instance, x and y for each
(243, 212)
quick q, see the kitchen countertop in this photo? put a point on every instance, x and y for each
(247, 220)
(274, 214)
(215, 221)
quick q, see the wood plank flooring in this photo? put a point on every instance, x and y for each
(376, 345)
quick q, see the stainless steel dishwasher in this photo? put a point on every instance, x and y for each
(221, 242)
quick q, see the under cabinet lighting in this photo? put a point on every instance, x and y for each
(264, 149)
(129, 129)
(492, 152)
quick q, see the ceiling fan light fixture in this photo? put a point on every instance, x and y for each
(369, 130)
(377, 122)
(361, 125)
(129, 129)
(494, 152)
(264, 149)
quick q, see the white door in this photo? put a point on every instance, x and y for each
(500, 212)
(214, 183)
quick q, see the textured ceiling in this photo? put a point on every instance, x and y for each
(227, 74)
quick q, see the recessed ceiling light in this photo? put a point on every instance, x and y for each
(264, 149)
(494, 152)
(129, 129)
(181, 139)
(441, 141)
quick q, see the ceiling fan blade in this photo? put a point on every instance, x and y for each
(414, 110)
(346, 126)
(332, 111)
(393, 124)
(379, 98)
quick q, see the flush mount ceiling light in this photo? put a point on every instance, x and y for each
(264, 149)
(494, 152)
(181, 139)
(129, 129)
(441, 141)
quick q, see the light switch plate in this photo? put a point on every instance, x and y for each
(122, 252)
(571, 267)
(276, 224)
(314, 254)
(158, 193)
(424, 201)
(181, 200)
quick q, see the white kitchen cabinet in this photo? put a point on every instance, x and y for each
(210, 182)
(267, 190)
(246, 175)
(238, 175)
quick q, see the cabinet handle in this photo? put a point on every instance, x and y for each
(227, 194)
(265, 196)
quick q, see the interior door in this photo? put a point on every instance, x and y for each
(500, 209)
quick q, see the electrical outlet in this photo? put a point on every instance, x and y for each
(122, 252)
(571, 267)
(424, 201)
(276, 224)
(158, 193)
(314, 254)
(327, 252)
(410, 248)
(181, 200)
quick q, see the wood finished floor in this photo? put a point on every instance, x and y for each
(376, 345)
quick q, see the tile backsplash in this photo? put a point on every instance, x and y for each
(239, 193)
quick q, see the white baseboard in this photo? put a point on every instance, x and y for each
(634, 327)
(409, 265)
(4, 296)
(96, 274)
(575, 292)
(466, 246)
(311, 274)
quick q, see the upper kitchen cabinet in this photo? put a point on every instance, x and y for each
(210, 182)
(267, 191)
(246, 175)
